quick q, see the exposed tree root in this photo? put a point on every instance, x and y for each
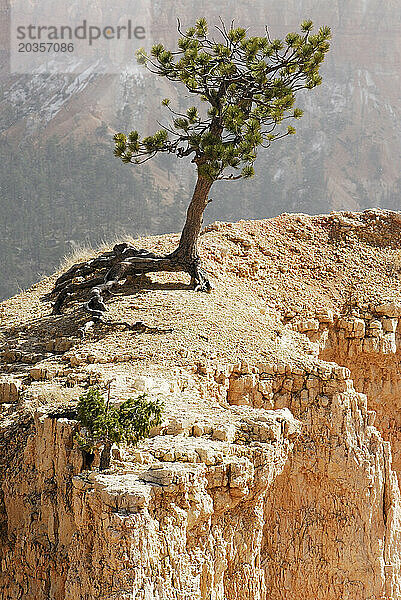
(104, 273)
(199, 278)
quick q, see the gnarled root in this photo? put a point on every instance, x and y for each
(199, 277)
(104, 273)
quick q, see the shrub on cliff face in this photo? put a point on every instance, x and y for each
(129, 423)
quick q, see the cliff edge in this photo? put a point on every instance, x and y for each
(274, 474)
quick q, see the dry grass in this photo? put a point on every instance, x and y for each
(82, 253)
(79, 254)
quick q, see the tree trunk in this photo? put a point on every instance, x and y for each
(188, 246)
(105, 456)
(126, 260)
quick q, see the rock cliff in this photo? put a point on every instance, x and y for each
(271, 476)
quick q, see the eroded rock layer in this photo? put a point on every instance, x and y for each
(271, 476)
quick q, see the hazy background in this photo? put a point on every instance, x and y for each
(61, 187)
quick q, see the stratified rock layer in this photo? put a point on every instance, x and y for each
(182, 525)
(271, 476)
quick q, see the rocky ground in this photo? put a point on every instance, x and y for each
(267, 478)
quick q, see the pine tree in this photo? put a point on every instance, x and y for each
(248, 87)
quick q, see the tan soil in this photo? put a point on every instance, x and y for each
(262, 271)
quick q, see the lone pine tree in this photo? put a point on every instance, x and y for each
(248, 87)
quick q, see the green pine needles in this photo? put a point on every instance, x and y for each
(249, 84)
(129, 423)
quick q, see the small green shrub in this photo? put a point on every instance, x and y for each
(129, 423)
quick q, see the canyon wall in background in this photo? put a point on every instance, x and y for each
(61, 187)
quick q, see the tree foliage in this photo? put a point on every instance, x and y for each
(129, 423)
(249, 86)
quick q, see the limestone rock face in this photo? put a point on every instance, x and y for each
(274, 473)
(264, 505)
(186, 525)
(369, 344)
(334, 533)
